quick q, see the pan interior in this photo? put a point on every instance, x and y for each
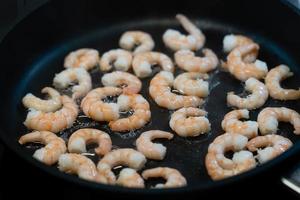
(185, 154)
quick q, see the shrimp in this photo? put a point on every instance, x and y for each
(160, 91)
(78, 164)
(49, 105)
(258, 97)
(86, 58)
(192, 83)
(129, 83)
(130, 178)
(54, 146)
(177, 41)
(186, 60)
(142, 62)
(80, 138)
(120, 58)
(143, 41)
(268, 119)
(173, 176)
(126, 156)
(220, 167)
(232, 124)
(53, 121)
(232, 41)
(148, 148)
(273, 79)
(141, 113)
(71, 75)
(189, 122)
(93, 106)
(274, 145)
(242, 70)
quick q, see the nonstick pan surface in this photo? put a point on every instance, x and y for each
(185, 154)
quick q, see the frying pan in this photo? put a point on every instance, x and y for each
(33, 51)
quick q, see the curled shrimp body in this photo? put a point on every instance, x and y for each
(148, 148)
(220, 167)
(82, 166)
(71, 75)
(142, 63)
(80, 138)
(186, 60)
(268, 119)
(130, 39)
(129, 83)
(86, 58)
(130, 178)
(258, 97)
(192, 83)
(128, 157)
(54, 146)
(273, 146)
(49, 105)
(177, 41)
(189, 122)
(273, 79)
(94, 107)
(242, 70)
(141, 113)
(232, 41)
(118, 58)
(53, 121)
(160, 91)
(173, 176)
(232, 124)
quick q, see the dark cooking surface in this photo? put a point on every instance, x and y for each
(38, 183)
(185, 154)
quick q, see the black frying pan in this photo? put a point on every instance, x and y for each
(34, 50)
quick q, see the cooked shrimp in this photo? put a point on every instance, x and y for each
(273, 79)
(186, 60)
(258, 97)
(268, 119)
(80, 138)
(54, 146)
(93, 106)
(232, 41)
(126, 156)
(53, 121)
(160, 91)
(129, 83)
(71, 75)
(82, 166)
(130, 178)
(148, 148)
(141, 113)
(86, 58)
(119, 58)
(177, 41)
(242, 70)
(192, 83)
(273, 145)
(220, 167)
(232, 124)
(189, 122)
(173, 176)
(143, 41)
(49, 105)
(142, 62)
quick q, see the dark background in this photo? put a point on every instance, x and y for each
(17, 175)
